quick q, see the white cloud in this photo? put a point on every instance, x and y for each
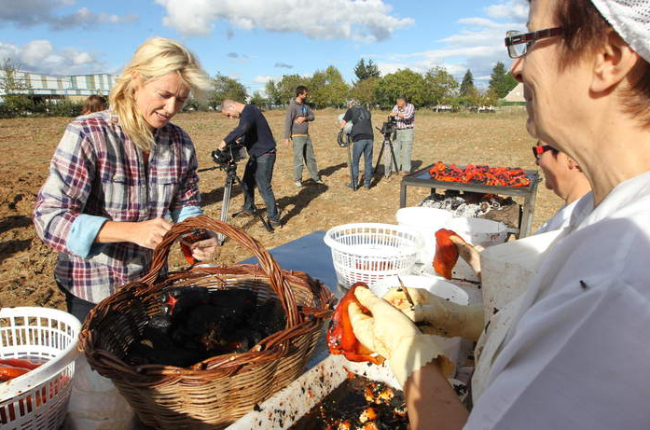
(40, 56)
(515, 10)
(478, 46)
(367, 21)
(29, 13)
(262, 79)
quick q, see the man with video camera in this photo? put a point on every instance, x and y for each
(259, 141)
(362, 138)
(404, 114)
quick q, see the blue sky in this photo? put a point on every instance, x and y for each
(258, 40)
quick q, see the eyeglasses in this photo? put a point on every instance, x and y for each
(519, 43)
(539, 149)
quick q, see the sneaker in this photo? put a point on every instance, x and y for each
(319, 181)
(366, 186)
(275, 223)
(298, 184)
(349, 185)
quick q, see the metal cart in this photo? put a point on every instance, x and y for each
(422, 179)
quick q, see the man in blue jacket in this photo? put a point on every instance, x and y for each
(260, 144)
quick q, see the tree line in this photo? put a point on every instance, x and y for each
(327, 88)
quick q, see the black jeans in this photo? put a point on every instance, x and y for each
(259, 172)
(76, 306)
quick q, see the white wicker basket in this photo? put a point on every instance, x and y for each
(38, 399)
(370, 252)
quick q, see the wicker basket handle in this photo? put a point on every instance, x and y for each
(280, 285)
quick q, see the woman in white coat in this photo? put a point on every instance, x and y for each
(575, 355)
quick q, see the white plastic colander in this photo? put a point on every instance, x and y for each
(370, 252)
(39, 398)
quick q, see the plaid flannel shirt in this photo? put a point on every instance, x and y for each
(97, 174)
(409, 116)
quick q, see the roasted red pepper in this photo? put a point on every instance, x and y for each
(340, 336)
(186, 241)
(17, 362)
(446, 253)
(8, 373)
(481, 174)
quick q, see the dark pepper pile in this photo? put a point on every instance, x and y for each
(195, 324)
(484, 175)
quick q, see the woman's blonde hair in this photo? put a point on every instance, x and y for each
(154, 58)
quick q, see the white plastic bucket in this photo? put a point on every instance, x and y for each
(426, 221)
(478, 231)
(440, 287)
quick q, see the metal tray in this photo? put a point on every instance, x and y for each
(288, 405)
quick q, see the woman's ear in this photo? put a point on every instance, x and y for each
(613, 62)
(573, 164)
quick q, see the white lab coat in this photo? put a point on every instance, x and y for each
(560, 220)
(577, 355)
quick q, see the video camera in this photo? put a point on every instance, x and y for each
(389, 127)
(228, 158)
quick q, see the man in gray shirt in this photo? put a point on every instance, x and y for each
(296, 130)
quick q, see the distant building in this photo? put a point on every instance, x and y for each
(75, 87)
(516, 96)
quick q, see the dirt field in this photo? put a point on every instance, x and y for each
(27, 146)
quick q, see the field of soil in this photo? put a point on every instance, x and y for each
(27, 145)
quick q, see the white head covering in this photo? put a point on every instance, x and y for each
(631, 20)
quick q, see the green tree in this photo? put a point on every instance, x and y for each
(365, 91)
(440, 85)
(286, 87)
(365, 70)
(501, 81)
(259, 100)
(327, 88)
(405, 83)
(273, 93)
(467, 87)
(16, 92)
(226, 88)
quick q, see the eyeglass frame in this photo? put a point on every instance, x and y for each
(540, 149)
(529, 39)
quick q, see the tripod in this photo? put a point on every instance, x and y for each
(387, 142)
(231, 177)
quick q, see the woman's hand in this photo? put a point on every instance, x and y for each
(391, 334)
(147, 234)
(204, 249)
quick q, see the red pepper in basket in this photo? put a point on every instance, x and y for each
(17, 362)
(9, 373)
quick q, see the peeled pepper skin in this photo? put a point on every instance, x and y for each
(446, 253)
(340, 336)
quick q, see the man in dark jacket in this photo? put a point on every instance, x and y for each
(362, 135)
(260, 144)
(296, 130)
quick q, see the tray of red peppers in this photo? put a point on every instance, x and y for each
(480, 174)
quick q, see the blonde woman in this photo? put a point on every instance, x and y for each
(119, 175)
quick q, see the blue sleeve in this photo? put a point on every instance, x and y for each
(83, 232)
(179, 215)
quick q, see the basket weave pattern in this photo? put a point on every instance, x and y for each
(216, 391)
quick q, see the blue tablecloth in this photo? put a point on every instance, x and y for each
(306, 254)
